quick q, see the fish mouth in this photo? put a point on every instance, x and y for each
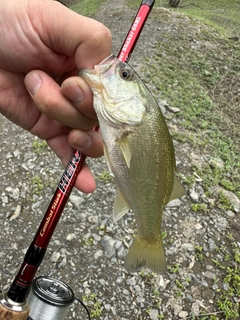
(106, 68)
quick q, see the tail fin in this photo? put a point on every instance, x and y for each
(144, 254)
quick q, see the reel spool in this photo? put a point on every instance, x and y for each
(49, 299)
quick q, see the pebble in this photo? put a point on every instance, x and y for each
(70, 236)
(232, 198)
(76, 201)
(98, 254)
(102, 282)
(4, 199)
(55, 256)
(132, 281)
(209, 275)
(216, 163)
(108, 244)
(215, 287)
(96, 237)
(221, 223)
(174, 203)
(230, 214)
(188, 246)
(194, 195)
(63, 263)
(153, 314)
(183, 314)
(198, 226)
(195, 308)
(16, 153)
(16, 213)
(119, 280)
(15, 193)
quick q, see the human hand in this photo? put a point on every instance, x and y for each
(42, 46)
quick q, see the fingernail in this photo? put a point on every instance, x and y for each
(82, 141)
(33, 82)
(75, 93)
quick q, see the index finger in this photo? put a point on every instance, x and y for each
(74, 35)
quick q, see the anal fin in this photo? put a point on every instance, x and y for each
(121, 207)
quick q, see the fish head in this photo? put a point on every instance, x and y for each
(119, 94)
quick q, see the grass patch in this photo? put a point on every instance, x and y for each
(87, 7)
(198, 72)
(220, 14)
(39, 146)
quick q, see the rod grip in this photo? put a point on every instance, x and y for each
(10, 310)
(6, 314)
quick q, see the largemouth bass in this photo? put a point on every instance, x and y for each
(139, 152)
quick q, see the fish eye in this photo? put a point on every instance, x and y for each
(126, 74)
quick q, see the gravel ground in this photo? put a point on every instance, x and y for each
(87, 250)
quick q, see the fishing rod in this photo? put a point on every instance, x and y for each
(13, 304)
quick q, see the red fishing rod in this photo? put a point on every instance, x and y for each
(13, 303)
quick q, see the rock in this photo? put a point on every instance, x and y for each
(188, 246)
(16, 213)
(16, 153)
(70, 236)
(174, 203)
(76, 201)
(119, 280)
(183, 314)
(55, 256)
(16, 193)
(212, 244)
(107, 307)
(233, 200)
(98, 254)
(153, 314)
(198, 226)
(96, 237)
(122, 253)
(222, 223)
(195, 309)
(230, 214)
(63, 263)
(209, 275)
(102, 282)
(216, 163)
(131, 281)
(173, 109)
(108, 244)
(194, 195)
(4, 199)
(215, 287)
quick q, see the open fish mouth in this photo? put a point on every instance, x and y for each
(107, 67)
(104, 69)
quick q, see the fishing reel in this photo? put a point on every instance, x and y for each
(49, 299)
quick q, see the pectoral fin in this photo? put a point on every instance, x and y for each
(177, 191)
(106, 155)
(125, 148)
(121, 207)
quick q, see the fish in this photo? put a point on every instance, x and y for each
(139, 152)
